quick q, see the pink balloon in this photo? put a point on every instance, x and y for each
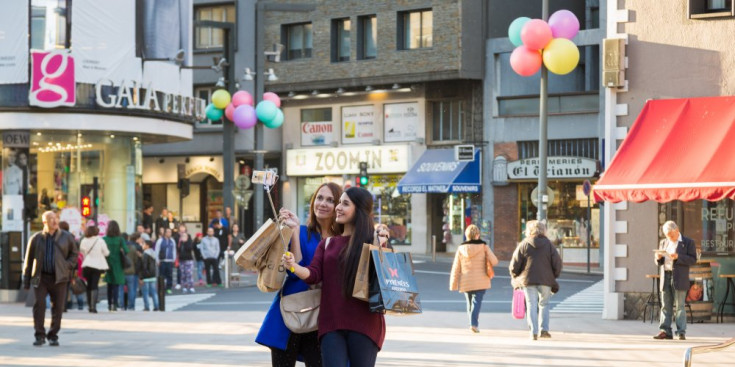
(244, 116)
(270, 96)
(564, 24)
(242, 97)
(230, 112)
(536, 34)
(525, 62)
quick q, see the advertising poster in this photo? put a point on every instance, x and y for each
(401, 121)
(358, 124)
(317, 133)
(14, 42)
(14, 178)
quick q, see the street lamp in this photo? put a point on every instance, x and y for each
(543, 130)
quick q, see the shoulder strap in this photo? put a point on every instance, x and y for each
(327, 243)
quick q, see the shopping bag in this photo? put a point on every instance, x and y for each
(271, 272)
(393, 289)
(362, 277)
(256, 247)
(519, 304)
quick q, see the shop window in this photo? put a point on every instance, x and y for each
(50, 24)
(206, 37)
(415, 29)
(341, 39)
(298, 40)
(205, 93)
(702, 9)
(586, 148)
(367, 37)
(447, 120)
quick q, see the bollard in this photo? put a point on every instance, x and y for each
(227, 269)
(161, 288)
(433, 248)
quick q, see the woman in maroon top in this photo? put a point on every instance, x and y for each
(348, 331)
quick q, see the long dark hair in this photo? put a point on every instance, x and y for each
(113, 229)
(349, 257)
(312, 225)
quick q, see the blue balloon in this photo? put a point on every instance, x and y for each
(266, 111)
(276, 122)
(213, 113)
(514, 30)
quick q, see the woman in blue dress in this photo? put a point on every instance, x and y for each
(286, 347)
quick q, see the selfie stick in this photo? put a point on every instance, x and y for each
(267, 189)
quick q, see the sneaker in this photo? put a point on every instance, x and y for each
(39, 342)
(209, 286)
(221, 285)
(682, 337)
(185, 290)
(146, 309)
(662, 335)
(533, 337)
(178, 286)
(544, 334)
(168, 291)
(191, 290)
(53, 342)
(474, 329)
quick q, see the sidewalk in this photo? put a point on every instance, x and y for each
(434, 339)
(446, 258)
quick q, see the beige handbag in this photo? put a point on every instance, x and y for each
(300, 311)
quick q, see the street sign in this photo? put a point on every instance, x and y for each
(587, 187)
(464, 153)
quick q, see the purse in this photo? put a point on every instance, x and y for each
(300, 311)
(124, 259)
(78, 286)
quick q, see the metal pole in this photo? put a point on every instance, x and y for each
(433, 248)
(227, 268)
(259, 90)
(543, 131)
(589, 240)
(228, 127)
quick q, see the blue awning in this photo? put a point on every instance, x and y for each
(436, 171)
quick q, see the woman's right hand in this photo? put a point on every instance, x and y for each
(288, 260)
(288, 218)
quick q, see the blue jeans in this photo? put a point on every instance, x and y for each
(474, 302)
(343, 346)
(537, 304)
(671, 297)
(200, 271)
(166, 269)
(149, 289)
(132, 282)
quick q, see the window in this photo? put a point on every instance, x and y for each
(415, 29)
(298, 40)
(585, 147)
(447, 117)
(212, 37)
(341, 39)
(205, 93)
(316, 114)
(699, 9)
(367, 37)
(49, 24)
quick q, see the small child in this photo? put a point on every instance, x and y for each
(147, 276)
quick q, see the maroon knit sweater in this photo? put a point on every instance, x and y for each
(337, 312)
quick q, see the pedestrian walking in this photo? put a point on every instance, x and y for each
(210, 252)
(472, 273)
(674, 256)
(95, 253)
(534, 267)
(50, 258)
(115, 277)
(148, 275)
(285, 346)
(348, 331)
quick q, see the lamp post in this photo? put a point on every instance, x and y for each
(543, 130)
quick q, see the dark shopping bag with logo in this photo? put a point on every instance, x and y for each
(393, 286)
(361, 288)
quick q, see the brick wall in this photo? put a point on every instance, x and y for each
(507, 226)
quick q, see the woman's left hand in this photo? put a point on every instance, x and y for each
(383, 234)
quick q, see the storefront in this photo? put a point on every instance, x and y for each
(670, 167)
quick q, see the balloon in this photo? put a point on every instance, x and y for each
(242, 97)
(244, 116)
(266, 111)
(535, 34)
(213, 113)
(525, 62)
(561, 56)
(270, 96)
(229, 112)
(564, 24)
(276, 122)
(221, 98)
(514, 30)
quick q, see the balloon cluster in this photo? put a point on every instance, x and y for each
(238, 108)
(537, 41)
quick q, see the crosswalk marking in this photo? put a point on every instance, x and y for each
(588, 300)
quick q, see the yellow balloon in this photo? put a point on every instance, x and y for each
(221, 98)
(561, 56)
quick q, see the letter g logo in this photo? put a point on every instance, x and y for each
(52, 79)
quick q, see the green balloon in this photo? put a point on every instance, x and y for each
(213, 113)
(514, 30)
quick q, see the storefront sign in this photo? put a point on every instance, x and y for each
(718, 221)
(358, 124)
(52, 79)
(201, 168)
(128, 95)
(319, 162)
(72, 216)
(401, 121)
(556, 167)
(317, 133)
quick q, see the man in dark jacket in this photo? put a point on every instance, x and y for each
(50, 259)
(534, 267)
(674, 256)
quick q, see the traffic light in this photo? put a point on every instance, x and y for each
(86, 206)
(363, 179)
(183, 186)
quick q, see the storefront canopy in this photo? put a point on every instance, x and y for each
(436, 171)
(677, 149)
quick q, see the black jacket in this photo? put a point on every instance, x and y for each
(147, 266)
(186, 251)
(687, 252)
(535, 262)
(65, 257)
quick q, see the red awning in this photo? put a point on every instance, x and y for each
(677, 149)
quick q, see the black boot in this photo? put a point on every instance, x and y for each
(93, 301)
